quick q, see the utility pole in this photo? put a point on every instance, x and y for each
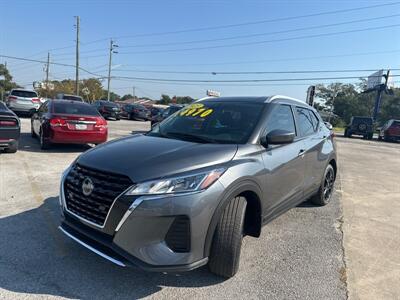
(47, 73)
(112, 46)
(133, 92)
(77, 58)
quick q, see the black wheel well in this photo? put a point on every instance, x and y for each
(332, 162)
(252, 221)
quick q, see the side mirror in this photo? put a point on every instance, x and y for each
(328, 125)
(278, 136)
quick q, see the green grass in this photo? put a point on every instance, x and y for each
(338, 129)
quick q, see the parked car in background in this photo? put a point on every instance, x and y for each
(155, 111)
(108, 109)
(10, 129)
(165, 114)
(390, 131)
(184, 194)
(61, 96)
(68, 122)
(135, 112)
(360, 126)
(23, 101)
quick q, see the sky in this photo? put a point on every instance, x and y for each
(190, 39)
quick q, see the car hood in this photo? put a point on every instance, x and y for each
(142, 157)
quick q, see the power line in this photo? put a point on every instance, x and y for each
(262, 34)
(253, 72)
(243, 80)
(270, 60)
(52, 63)
(265, 41)
(255, 22)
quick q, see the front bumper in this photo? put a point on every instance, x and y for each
(137, 230)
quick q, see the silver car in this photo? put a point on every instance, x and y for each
(25, 101)
(184, 194)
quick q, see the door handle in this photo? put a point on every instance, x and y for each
(301, 152)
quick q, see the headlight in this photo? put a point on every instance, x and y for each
(182, 184)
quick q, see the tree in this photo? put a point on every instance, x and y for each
(7, 83)
(95, 88)
(126, 97)
(113, 96)
(165, 99)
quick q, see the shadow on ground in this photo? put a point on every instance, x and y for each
(29, 144)
(36, 258)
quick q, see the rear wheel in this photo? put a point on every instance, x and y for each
(33, 134)
(44, 144)
(326, 189)
(227, 240)
(370, 136)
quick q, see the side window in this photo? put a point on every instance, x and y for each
(314, 120)
(281, 117)
(305, 121)
(44, 108)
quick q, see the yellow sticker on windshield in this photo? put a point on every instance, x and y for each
(196, 110)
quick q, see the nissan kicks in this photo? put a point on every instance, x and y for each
(184, 194)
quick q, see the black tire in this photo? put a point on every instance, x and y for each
(346, 133)
(130, 117)
(12, 148)
(44, 145)
(33, 134)
(325, 191)
(227, 240)
(370, 136)
(379, 138)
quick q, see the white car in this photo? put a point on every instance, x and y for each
(25, 101)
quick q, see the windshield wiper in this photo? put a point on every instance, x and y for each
(191, 137)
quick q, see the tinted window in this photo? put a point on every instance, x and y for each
(44, 108)
(25, 94)
(73, 108)
(304, 121)
(74, 98)
(110, 104)
(281, 117)
(314, 120)
(212, 121)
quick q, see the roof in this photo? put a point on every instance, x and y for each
(262, 99)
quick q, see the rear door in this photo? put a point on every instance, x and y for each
(284, 164)
(313, 133)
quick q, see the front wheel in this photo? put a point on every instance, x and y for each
(227, 240)
(326, 189)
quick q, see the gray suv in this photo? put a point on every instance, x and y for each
(184, 194)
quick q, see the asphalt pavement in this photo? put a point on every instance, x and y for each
(298, 256)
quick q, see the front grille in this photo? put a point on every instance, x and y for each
(95, 206)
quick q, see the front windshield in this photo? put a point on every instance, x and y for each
(212, 122)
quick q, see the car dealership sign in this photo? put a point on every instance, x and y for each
(212, 93)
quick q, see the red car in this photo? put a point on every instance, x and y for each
(68, 122)
(390, 131)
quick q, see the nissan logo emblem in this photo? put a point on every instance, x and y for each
(87, 186)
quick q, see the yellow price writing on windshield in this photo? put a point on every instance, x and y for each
(196, 110)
